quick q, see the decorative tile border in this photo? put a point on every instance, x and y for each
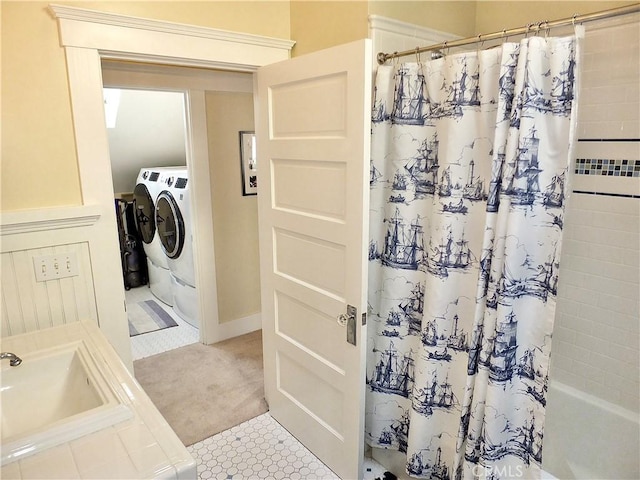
(608, 167)
(620, 195)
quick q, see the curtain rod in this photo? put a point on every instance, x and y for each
(531, 28)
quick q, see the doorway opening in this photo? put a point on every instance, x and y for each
(148, 151)
(90, 38)
(189, 118)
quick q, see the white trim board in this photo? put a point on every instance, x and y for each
(390, 35)
(183, 29)
(29, 221)
(140, 39)
(378, 22)
(89, 37)
(240, 326)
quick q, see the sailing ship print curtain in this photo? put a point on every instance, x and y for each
(470, 156)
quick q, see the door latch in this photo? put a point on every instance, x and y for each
(349, 320)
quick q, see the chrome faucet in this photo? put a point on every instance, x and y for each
(15, 360)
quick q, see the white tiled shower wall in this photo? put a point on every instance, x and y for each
(610, 95)
(596, 337)
(595, 342)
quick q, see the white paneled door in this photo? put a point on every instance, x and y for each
(313, 141)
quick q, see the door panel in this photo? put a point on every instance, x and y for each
(313, 146)
(297, 321)
(291, 104)
(316, 188)
(311, 261)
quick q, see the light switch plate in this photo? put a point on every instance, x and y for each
(55, 266)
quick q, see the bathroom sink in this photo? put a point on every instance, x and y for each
(53, 397)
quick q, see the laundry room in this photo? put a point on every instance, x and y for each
(152, 141)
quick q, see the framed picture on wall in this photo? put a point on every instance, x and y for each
(248, 163)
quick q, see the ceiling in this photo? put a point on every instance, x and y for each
(149, 131)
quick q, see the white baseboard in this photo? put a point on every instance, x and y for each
(240, 326)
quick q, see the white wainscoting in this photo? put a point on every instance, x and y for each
(390, 35)
(28, 305)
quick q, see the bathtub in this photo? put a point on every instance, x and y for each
(588, 438)
(584, 438)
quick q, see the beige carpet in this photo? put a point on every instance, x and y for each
(204, 389)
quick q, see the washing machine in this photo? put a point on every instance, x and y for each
(173, 220)
(148, 185)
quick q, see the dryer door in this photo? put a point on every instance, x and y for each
(144, 212)
(170, 224)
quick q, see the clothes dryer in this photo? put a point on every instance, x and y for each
(148, 186)
(173, 220)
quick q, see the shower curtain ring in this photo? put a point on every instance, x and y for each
(546, 29)
(445, 49)
(418, 54)
(479, 42)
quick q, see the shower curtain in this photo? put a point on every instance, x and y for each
(469, 162)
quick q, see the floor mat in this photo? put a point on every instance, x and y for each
(148, 316)
(202, 390)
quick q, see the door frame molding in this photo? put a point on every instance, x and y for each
(88, 37)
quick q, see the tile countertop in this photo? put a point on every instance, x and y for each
(142, 447)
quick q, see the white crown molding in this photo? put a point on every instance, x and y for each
(377, 22)
(105, 18)
(29, 221)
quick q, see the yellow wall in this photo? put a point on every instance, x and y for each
(321, 24)
(457, 17)
(235, 217)
(39, 163)
(318, 24)
(495, 16)
(39, 166)
(270, 18)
